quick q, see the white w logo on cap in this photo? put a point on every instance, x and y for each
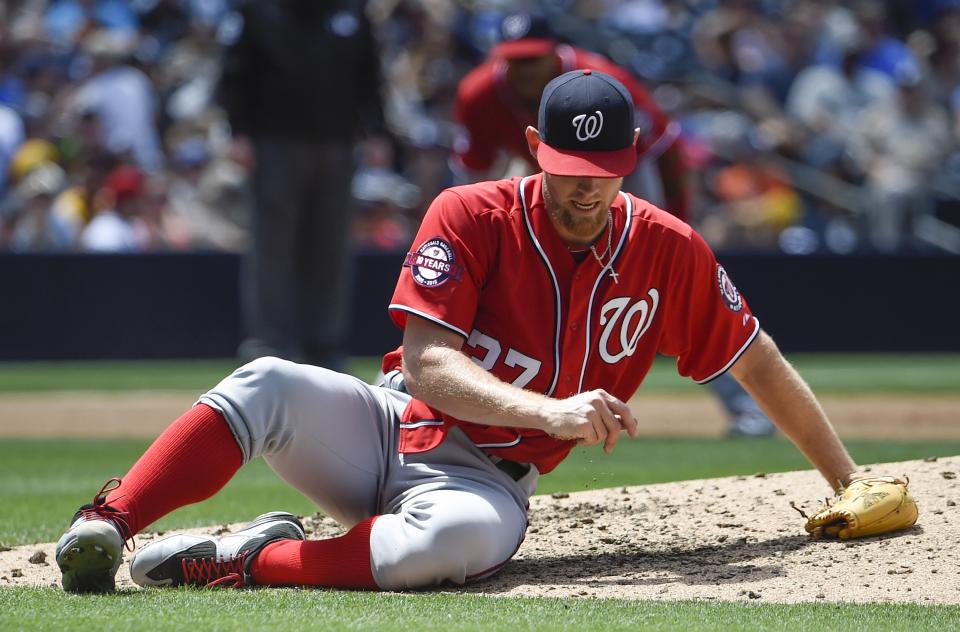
(588, 126)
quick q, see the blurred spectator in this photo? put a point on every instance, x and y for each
(900, 146)
(756, 199)
(31, 154)
(11, 84)
(423, 57)
(122, 99)
(117, 225)
(386, 200)
(11, 136)
(300, 84)
(36, 226)
(881, 51)
(205, 198)
(819, 88)
(829, 99)
(69, 20)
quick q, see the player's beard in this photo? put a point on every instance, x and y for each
(584, 229)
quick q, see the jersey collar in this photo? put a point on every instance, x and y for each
(543, 231)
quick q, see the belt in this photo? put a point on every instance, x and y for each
(514, 470)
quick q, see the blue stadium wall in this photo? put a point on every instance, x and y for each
(187, 306)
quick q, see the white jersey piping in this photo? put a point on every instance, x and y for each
(736, 356)
(596, 285)
(508, 444)
(404, 308)
(556, 286)
(407, 425)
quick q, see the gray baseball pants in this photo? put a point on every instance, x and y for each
(446, 515)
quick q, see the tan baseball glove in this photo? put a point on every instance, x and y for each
(867, 506)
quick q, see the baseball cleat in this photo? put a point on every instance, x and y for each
(203, 560)
(91, 550)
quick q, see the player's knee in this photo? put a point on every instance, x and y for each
(255, 393)
(267, 368)
(420, 555)
(266, 376)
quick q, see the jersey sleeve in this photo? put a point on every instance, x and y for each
(444, 271)
(710, 324)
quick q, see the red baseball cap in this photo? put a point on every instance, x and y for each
(523, 35)
(586, 124)
(126, 181)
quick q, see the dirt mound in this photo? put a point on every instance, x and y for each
(727, 538)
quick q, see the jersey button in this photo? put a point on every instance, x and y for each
(574, 326)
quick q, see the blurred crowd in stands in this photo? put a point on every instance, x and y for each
(810, 126)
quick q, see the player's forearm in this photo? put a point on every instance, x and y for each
(786, 398)
(451, 382)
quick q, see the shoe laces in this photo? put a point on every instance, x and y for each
(100, 510)
(211, 572)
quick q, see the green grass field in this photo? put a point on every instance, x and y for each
(826, 373)
(287, 609)
(43, 481)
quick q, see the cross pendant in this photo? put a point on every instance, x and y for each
(616, 277)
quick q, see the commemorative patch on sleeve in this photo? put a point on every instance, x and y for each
(728, 291)
(434, 263)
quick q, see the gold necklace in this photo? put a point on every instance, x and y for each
(608, 251)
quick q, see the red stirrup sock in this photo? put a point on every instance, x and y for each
(342, 562)
(190, 461)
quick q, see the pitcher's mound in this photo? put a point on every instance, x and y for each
(726, 538)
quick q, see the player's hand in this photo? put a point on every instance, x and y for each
(590, 418)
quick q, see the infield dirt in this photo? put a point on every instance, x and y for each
(716, 539)
(146, 414)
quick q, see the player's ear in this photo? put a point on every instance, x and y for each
(533, 140)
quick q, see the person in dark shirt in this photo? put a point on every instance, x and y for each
(300, 85)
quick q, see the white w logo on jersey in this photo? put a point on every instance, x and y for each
(588, 126)
(642, 310)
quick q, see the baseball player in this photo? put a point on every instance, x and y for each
(499, 99)
(531, 310)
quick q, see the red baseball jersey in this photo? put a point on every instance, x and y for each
(494, 120)
(488, 264)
